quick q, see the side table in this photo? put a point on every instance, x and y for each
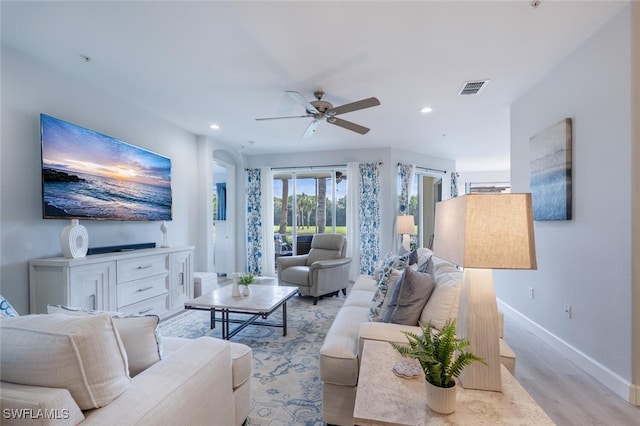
(383, 398)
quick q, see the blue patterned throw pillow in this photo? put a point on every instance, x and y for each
(389, 264)
(6, 310)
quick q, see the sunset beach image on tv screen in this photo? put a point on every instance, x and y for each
(86, 174)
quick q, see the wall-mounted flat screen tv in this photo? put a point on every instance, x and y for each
(88, 175)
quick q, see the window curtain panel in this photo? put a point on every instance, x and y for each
(268, 247)
(454, 184)
(221, 192)
(369, 215)
(353, 223)
(406, 172)
(254, 221)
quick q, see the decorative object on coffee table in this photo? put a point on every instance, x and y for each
(244, 281)
(74, 240)
(442, 357)
(481, 232)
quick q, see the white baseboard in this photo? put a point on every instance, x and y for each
(617, 384)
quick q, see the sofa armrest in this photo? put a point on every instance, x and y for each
(383, 331)
(35, 405)
(192, 386)
(388, 332)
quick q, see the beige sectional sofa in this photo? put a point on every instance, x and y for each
(55, 374)
(340, 352)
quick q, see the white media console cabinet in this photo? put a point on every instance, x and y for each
(147, 281)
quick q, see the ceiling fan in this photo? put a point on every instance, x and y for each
(320, 109)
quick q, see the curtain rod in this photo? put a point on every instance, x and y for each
(330, 166)
(428, 169)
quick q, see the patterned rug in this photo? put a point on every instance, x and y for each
(286, 387)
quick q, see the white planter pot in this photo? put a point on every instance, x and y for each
(245, 291)
(441, 400)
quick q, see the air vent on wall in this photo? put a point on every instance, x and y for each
(473, 87)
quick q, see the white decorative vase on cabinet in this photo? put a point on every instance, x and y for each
(74, 240)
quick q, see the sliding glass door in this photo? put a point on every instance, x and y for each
(307, 202)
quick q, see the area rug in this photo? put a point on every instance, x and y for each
(286, 387)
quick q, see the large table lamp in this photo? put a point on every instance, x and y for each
(481, 232)
(406, 227)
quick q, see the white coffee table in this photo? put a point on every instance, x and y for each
(383, 398)
(261, 302)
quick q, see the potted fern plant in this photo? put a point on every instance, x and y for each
(442, 357)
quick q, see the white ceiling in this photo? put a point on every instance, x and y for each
(197, 63)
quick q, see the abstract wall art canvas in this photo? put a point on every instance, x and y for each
(550, 172)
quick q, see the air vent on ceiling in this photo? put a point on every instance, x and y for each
(473, 87)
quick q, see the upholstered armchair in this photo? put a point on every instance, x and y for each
(324, 270)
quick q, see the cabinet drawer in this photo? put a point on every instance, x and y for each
(142, 267)
(135, 291)
(158, 306)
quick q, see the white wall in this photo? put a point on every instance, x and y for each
(30, 88)
(585, 262)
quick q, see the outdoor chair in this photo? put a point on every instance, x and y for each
(323, 271)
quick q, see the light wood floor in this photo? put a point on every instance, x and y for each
(565, 392)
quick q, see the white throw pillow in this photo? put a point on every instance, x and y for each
(82, 354)
(139, 334)
(443, 302)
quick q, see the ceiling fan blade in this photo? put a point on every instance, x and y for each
(280, 118)
(353, 106)
(297, 97)
(311, 129)
(348, 125)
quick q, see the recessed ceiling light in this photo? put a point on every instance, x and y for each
(215, 126)
(426, 110)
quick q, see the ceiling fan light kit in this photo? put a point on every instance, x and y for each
(320, 110)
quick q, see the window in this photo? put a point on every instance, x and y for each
(307, 202)
(426, 191)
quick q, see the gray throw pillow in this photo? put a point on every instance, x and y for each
(409, 297)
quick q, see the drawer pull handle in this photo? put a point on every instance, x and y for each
(145, 267)
(145, 311)
(145, 289)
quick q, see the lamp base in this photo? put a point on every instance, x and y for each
(479, 324)
(406, 242)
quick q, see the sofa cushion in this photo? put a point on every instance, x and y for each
(409, 297)
(339, 351)
(385, 279)
(139, 333)
(295, 274)
(83, 354)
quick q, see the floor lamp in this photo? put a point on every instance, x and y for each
(406, 227)
(481, 232)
